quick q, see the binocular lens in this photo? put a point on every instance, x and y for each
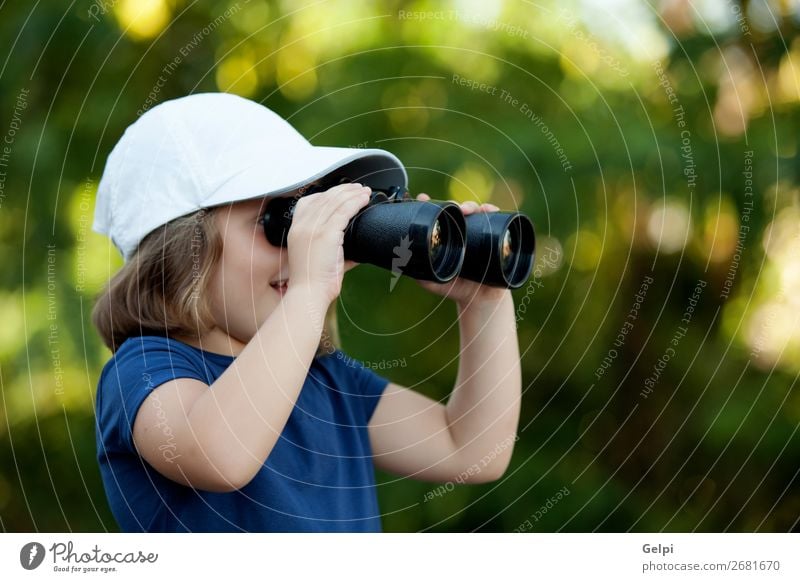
(446, 244)
(500, 249)
(422, 240)
(436, 243)
(508, 250)
(511, 252)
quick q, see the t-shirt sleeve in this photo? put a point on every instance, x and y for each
(134, 371)
(369, 384)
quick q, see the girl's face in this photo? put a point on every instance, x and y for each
(245, 288)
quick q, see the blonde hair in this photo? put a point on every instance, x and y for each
(162, 289)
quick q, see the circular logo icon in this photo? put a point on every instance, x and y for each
(31, 555)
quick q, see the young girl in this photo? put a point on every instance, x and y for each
(226, 405)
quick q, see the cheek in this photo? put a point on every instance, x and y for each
(268, 261)
(217, 294)
(254, 256)
(230, 283)
(245, 271)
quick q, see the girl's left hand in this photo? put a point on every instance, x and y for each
(464, 291)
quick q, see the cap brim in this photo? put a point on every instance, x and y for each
(373, 167)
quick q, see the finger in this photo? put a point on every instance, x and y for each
(422, 196)
(340, 270)
(438, 288)
(469, 207)
(325, 202)
(339, 219)
(489, 207)
(333, 191)
(333, 196)
(322, 212)
(347, 186)
(344, 202)
(350, 205)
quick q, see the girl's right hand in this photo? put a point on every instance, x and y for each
(316, 237)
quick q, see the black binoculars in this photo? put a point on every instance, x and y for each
(430, 240)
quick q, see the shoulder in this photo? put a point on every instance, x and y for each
(139, 365)
(143, 363)
(150, 343)
(148, 352)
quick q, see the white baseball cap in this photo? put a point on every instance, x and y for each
(208, 149)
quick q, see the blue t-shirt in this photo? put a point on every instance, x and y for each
(318, 477)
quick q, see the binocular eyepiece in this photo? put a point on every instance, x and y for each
(429, 240)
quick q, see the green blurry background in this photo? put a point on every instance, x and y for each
(646, 140)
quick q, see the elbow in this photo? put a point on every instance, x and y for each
(484, 472)
(492, 472)
(228, 484)
(218, 475)
(492, 469)
(219, 487)
(225, 482)
(213, 479)
(234, 478)
(494, 465)
(241, 468)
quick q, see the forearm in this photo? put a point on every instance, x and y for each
(238, 421)
(483, 410)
